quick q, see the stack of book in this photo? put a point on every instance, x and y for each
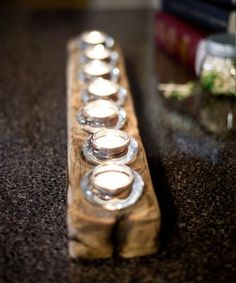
(182, 24)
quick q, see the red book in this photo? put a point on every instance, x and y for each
(178, 38)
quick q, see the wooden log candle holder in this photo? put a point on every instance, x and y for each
(95, 232)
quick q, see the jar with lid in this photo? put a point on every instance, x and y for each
(216, 64)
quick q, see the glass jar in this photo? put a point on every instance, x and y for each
(216, 64)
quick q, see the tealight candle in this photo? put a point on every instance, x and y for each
(101, 88)
(102, 111)
(97, 68)
(93, 37)
(98, 114)
(110, 143)
(112, 186)
(97, 52)
(109, 181)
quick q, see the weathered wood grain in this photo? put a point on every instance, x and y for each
(95, 232)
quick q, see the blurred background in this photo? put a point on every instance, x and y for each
(88, 4)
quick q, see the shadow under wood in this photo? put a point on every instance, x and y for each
(157, 171)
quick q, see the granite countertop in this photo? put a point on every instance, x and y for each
(193, 170)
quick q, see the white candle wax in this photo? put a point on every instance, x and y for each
(93, 37)
(112, 180)
(101, 112)
(97, 68)
(102, 87)
(97, 52)
(110, 141)
(101, 109)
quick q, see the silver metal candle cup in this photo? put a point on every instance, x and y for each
(99, 114)
(104, 89)
(94, 37)
(112, 186)
(110, 190)
(117, 149)
(98, 52)
(98, 68)
(109, 145)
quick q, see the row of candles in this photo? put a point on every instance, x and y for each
(112, 183)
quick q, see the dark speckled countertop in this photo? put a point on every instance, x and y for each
(193, 171)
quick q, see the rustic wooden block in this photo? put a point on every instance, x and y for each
(95, 232)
